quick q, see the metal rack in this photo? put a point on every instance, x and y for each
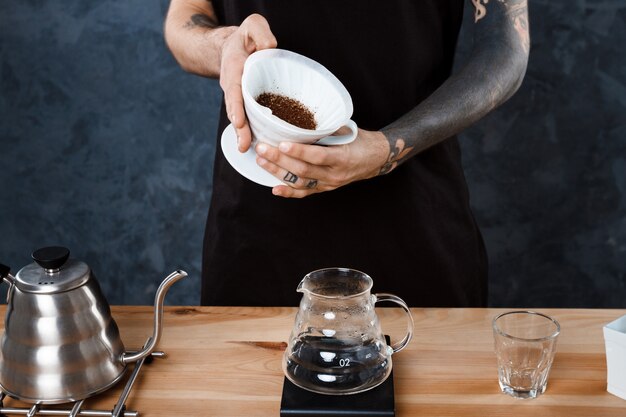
(76, 410)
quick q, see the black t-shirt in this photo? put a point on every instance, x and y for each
(411, 230)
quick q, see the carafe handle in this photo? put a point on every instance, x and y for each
(397, 347)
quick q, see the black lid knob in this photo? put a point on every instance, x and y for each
(51, 257)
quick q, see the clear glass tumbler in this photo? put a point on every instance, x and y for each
(525, 345)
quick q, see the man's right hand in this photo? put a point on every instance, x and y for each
(203, 47)
(254, 34)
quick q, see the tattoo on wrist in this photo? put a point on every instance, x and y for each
(397, 154)
(201, 20)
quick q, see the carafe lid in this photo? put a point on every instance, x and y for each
(52, 272)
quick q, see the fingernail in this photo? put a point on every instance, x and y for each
(283, 146)
(233, 119)
(261, 149)
(261, 161)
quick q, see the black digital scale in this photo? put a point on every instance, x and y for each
(378, 401)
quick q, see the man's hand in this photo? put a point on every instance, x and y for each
(310, 169)
(254, 34)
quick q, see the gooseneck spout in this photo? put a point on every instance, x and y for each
(129, 357)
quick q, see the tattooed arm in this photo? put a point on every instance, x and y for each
(494, 72)
(203, 47)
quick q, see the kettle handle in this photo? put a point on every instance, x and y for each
(4, 272)
(5, 275)
(380, 297)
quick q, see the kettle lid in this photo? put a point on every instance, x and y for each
(53, 271)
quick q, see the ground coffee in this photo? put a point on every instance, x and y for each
(288, 109)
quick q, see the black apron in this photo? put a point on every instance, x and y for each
(411, 230)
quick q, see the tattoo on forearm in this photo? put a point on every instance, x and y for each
(481, 10)
(201, 20)
(519, 15)
(517, 11)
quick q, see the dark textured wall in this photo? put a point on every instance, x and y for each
(106, 146)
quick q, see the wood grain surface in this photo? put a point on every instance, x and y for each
(226, 361)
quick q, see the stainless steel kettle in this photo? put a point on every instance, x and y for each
(60, 342)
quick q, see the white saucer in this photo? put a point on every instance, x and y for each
(245, 163)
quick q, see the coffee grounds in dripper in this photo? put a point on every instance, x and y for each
(289, 110)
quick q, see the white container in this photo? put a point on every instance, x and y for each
(615, 341)
(293, 75)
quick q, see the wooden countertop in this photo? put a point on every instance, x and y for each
(226, 361)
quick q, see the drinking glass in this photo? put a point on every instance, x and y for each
(525, 345)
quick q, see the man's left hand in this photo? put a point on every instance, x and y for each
(310, 169)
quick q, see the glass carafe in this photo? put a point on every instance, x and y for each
(337, 345)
